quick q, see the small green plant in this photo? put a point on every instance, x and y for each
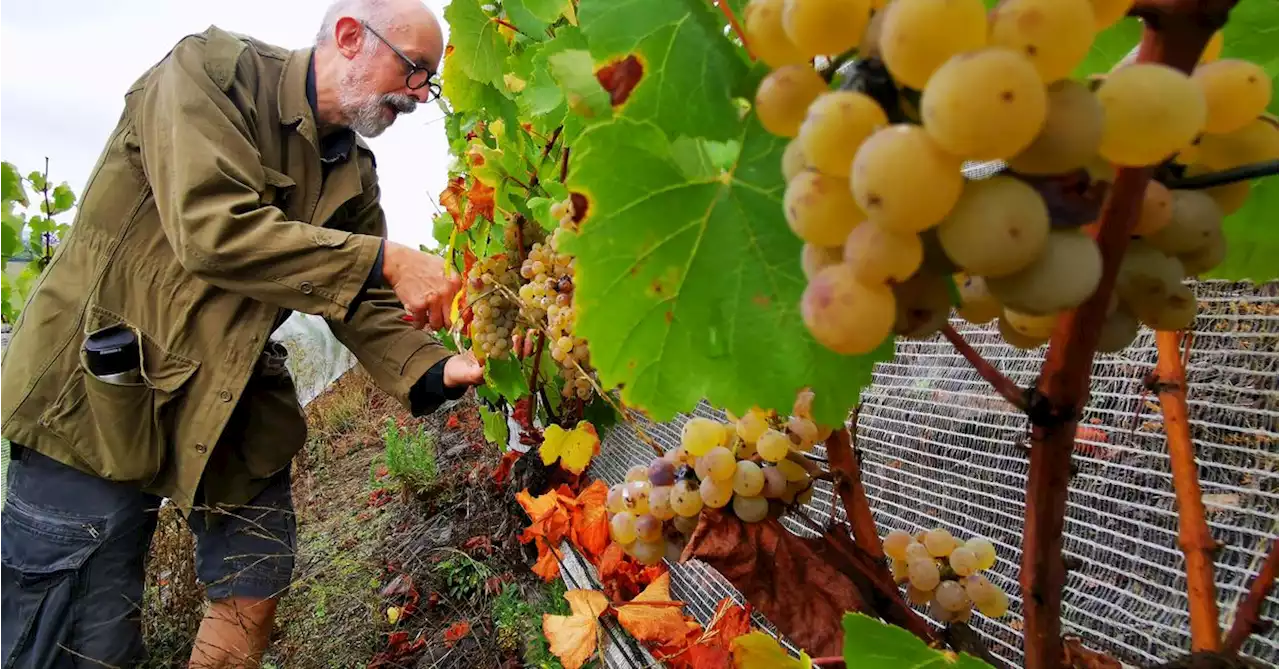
(463, 575)
(410, 455)
(518, 623)
(28, 239)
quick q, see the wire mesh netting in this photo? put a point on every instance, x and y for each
(940, 448)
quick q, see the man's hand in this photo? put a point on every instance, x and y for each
(463, 370)
(419, 282)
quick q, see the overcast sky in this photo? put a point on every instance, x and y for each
(65, 65)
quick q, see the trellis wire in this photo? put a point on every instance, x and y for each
(940, 448)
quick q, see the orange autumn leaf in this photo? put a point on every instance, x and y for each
(591, 519)
(451, 198)
(714, 648)
(549, 516)
(479, 204)
(547, 566)
(572, 638)
(455, 632)
(649, 622)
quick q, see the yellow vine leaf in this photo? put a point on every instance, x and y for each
(759, 650)
(572, 638)
(574, 448)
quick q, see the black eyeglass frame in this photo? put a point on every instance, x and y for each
(433, 88)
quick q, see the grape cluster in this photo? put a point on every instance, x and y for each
(742, 465)
(887, 216)
(945, 574)
(494, 313)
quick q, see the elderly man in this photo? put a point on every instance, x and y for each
(233, 192)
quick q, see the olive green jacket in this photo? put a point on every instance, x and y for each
(206, 219)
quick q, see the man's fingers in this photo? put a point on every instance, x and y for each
(436, 312)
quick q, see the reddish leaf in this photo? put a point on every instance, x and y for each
(479, 542)
(451, 198)
(479, 204)
(400, 652)
(402, 584)
(547, 566)
(453, 422)
(503, 472)
(455, 633)
(649, 622)
(591, 519)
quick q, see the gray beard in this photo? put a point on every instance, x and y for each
(368, 117)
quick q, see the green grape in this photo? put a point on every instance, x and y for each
(686, 524)
(773, 446)
(685, 499)
(784, 96)
(716, 494)
(1118, 331)
(985, 105)
(999, 227)
(924, 574)
(750, 509)
(835, 125)
(814, 258)
(1150, 111)
(752, 425)
(915, 551)
(748, 480)
(825, 27)
(1230, 197)
(635, 496)
(649, 553)
(939, 542)
(1070, 135)
(1107, 12)
(976, 303)
(720, 464)
(637, 473)
(1256, 142)
(1175, 311)
(1157, 209)
(614, 503)
(951, 596)
(820, 209)
(923, 303)
(648, 528)
(775, 483)
(1193, 221)
(1205, 259)
(762, 21)
(995, 603)
(622, 527)
(918, 36)
(903, 179)
(660, 503)
(1065, 274)
(895, 545)
(793, 160)
(878, 254)
(963, 561)
(846, 315)
(1235, 93)
(1146, 274)
(1055, 35)
(983, 550)
(700, 435)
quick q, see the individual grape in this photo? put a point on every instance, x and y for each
(899, 570)
(902, 179)
(924, 574)
(752, 425)
(1213, 49)
(963, 561)
(939, 542)
(660, 503)
(1107, 12)
(803, 406)
(869, 47)
(1054, 35)
(685, 498)
(917, 596)
(793, 160)
(923, 303)
(1146, 274)
(685, 524)
(649, 553)
(1235, 93)
(1193, 221)
(1230, 197)
(716, 494)
(720, 463)
(775, 483)
(763, 27)
(1175, 311)
(978, 588)
(1064, 275)
(614, 503)
(916, 551)
(1256, 142)
(622, 527)
(783, 97)
(635, 496)
(1205, 259)
(878, 254)
(1157, 209)
(804, 429)
(951, 596)
(744, 450)
(773, 446)
(835, 125)
(846, 315)
(792, 471)
(984, 105)
(700, 435)
(1118, 331)
(895, 544)
(678, 457)
(814, 259)
(983, 550)
(918, 36)
(748, 480)
(1031, 326)
(995, 605)
(825, 27)
(998, 227)
(976, 303)
(820, 209)
(648, 528)
(638, 473)
(661, 472)
(1070, 135)
(1017, 339)
(1150, 111)
(750, 509)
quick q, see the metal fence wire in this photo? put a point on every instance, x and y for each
(940, 448)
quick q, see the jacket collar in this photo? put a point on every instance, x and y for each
(297, 95)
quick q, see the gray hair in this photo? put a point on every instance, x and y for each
(378, 13)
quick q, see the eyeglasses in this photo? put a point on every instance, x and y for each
(418, 76)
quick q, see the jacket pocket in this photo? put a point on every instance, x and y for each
(279, 189)
(271, 424)
(122, 430)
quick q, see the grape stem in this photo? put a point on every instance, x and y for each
(1193, 531)
(1003, 385)
(1175, 34)
(733, 23)
(1224, 177)
(535, 383)
(1247, 621)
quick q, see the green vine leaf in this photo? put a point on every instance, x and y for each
(688, 287)
(496, 430)
(506, 377)
(872, 644)
(1110, 46)
(479, 48)
(545, 11)
(575, 72)
(11, 188)
(464, 93)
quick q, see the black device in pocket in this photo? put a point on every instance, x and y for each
(112, 355)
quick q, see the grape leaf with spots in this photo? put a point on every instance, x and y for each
(478, 46)
(689, 282)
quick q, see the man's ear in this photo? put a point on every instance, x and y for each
(349, 35)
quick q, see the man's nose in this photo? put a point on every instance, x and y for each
(422, 95)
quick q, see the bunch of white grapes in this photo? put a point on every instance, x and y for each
(886, 214)
(742, 465)
(943, 573)
(493, 312)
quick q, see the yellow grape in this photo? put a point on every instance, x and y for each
(976, 303)
(748, 480)
(805, 429)
(720, 464)
(1256, 142)
(1230, 197)
(649, 553)
(716, 494)
(998, 227)
(869, 47)
(638, 473)
(895, 545)
(1062, 277)
(635, 496)
(820, 209)
(686, 524)
(752, 425)
(793, 472)
(878, 254)
(835, 125)
(1017, 339)
(614, 502)
(803, 406)
(985, 105)
(983, 550)
(1146, 274)
(963, 561)
(1107, 12)
(622, 527)
(1070, 135)
(1205, 259)
(773, 446)
(916, 551)
(903, 179)
(899, 569)
(814, 258)
(660, 503)
(1031, 326)
(648, 528)
(793, 160)
(995, 605)
(700, 435)
(1212, 50)
(939, 542)
(1175, 311)
(750, 509)
(917, 596)
(1157, 209)
(1118, 331)
(923, 303)
(825, 27)
(1150, 111)
(924, 574)
(762, 23)
(1055, 35)
(846, 315)
(918, 36)
(951, 596)
(783, 97)
(1193, 221)
(1235, 92)
(685, 499)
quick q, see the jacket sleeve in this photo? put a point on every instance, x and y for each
(208, 181)
(393, 352)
